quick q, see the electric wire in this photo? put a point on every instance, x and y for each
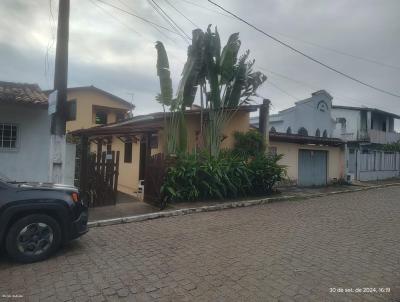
(306, 55)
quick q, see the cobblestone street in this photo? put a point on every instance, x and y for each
(285, 251)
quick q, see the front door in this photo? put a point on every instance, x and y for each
(312, 168)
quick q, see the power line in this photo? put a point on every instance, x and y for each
(207, 8)
(114, 17)
(282, 90)
(129, 27)
(314, 88)
(167, 18)
(139, 17)
(183, 15)
(306, 55)
(340, 52)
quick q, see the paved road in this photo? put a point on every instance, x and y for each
(287, 251)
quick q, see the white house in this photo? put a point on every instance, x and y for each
(309, 117)
(365, 124)
(25, 134)
(303, 135)
(365, 131)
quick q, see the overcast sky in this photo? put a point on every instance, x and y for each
(115, 51)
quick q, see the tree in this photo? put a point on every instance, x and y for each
(226, 81)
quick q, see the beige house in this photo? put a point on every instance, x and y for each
(310, 160)
(95, 107)
(132, 138)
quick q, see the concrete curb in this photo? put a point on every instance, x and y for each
(227, 205)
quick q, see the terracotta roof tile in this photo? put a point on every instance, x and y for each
(22, 93)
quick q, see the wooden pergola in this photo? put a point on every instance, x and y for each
(125, 131)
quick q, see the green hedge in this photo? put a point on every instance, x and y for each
(230, 175)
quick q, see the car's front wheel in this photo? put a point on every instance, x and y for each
(33, 238)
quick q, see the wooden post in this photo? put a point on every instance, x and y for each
(83, 175)
(264, 120)
(148, 152)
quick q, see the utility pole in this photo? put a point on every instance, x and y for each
(264, 120)
(59, 118)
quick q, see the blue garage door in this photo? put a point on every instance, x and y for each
(312, 167)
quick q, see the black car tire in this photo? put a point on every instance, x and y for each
(46, 222)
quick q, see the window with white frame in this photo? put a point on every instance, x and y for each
(8, 136)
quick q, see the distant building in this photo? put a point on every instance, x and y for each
(309, 117)
(364, 130)
(366, 125)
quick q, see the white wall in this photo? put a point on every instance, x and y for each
(30, 160)
(306, 114)
(353, 123)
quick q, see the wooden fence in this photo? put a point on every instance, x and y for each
(156, 167)
(102, 179)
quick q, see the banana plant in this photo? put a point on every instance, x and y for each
(227, 81)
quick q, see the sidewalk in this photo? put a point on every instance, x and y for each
(136, 210)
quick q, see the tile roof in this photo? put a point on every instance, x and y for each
(22, 93)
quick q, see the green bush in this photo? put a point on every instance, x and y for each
(249, 143)
(206, 177)
(226, 176)
(392, 147)
(265, 172)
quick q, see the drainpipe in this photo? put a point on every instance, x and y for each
(263, 122)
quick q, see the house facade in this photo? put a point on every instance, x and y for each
(309, 160)
(25, 135)
(96, 107)
(144, 135)
(366, 131)
(309, 117)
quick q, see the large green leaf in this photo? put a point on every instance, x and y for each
(229, 58)
(165, 97)
(192, 70)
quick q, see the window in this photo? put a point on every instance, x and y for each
(289, 130)
(71, 110)
(101, 118)
(325, 133)
(302, 131)
(317, 133)
(8, 136)
(154, 142)
(128, 153)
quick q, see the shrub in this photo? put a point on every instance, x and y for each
(249, 143)
(265, 172)
(226, 176)
(206, 177)
(392, 147)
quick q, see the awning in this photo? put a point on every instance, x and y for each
(300, 139)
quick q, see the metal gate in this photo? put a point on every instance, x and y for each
(312, 168)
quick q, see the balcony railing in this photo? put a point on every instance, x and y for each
(373, 136)
(382, 137)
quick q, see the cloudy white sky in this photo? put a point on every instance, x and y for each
(115, 51)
